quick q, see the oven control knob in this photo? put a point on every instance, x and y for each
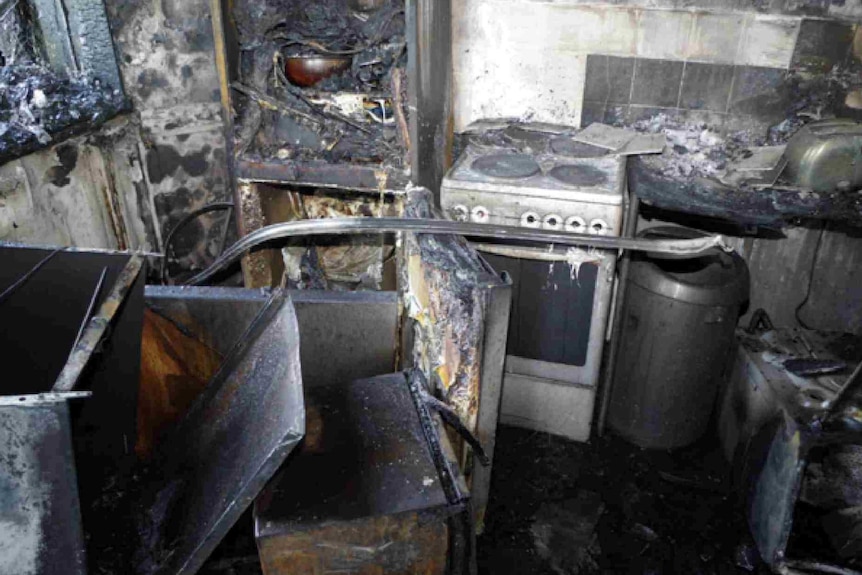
(552, 222)
(480, 215)
(460, 213)
(599, 227)
(576, 224)
(531, 220)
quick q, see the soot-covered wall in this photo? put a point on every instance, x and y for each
(132, 180)
(574, 62)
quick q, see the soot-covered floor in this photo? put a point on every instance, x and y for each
(657, 512)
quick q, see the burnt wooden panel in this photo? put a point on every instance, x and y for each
(175, 368)
(405, 544)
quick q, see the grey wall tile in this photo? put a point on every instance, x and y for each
(821, 44)
(615, 115)
(768, 40)
(592, 112)
(715, 37)
(706, 86)
(664, 34)
(640, 113)
(656, 82)
(608, 79)
(760, 92)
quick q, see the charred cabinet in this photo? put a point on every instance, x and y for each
(348, 95)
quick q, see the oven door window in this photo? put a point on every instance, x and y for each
(552, 309)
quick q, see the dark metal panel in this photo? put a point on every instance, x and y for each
(365, 455)
(343, 336)
(105, 426)
(42, 317)
(777, 454)
(40, 520)
(366, 493)
(491, 389)
(218, 458)
(556, 304)
(97, 328)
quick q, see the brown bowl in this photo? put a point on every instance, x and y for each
(306, 71)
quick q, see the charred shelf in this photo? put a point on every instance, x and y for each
(253, 43)
(319, 173)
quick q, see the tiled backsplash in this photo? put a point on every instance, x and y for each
(548, 60)
(624, 90)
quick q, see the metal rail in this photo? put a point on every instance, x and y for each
(97, 327)
(335, 226)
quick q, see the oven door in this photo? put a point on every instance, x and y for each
(556, 335)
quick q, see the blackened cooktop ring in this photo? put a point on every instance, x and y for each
(579, 175)
(506, 165)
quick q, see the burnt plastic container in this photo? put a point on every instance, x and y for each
(677, 332)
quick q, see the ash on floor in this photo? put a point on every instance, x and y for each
(650, 512)
(658, 512)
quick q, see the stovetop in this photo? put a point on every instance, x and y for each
(535, 177)
(521, 161)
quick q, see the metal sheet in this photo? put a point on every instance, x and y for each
(97, 328)
(491, 389)
(41, 321)
(40, 520)
(365, 455)
(429, 85)
(302, 228)
(343, 336)
(364, 493)
(217, 459)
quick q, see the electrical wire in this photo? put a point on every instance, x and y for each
(23, 279)
(810, 279)
(214, 207)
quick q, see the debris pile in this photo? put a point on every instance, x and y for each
(354, 111)
(39, 107)
(699, 149)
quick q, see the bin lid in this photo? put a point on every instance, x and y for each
(715, 279)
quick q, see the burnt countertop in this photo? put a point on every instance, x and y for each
(656, 185)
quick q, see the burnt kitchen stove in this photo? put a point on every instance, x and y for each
(522, 176)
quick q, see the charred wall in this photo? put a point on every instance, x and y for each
(165, 158)
(623, 61)
(166, 55)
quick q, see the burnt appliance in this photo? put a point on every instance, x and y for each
(677, 333)
(546, 179)
(789, 421)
